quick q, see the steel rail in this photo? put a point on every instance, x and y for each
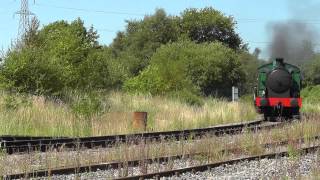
(23, 138)
(44, 144)
(132, 163)
(209, 166)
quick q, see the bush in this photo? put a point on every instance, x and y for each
(90, 104)
(148, 81)
(14, 101)
(311, 94)
(64, 56)
(312, 71)
(186, 66)
(26, 71)
(188, 97)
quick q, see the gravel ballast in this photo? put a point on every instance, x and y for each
(293, 167)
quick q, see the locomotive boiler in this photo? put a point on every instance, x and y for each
(277, 93)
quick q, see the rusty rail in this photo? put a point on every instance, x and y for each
(116, 165)
(24, 145)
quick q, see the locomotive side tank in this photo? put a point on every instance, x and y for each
(278, 90)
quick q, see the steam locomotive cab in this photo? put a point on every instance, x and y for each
(278, 90)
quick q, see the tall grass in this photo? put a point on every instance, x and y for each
(311, 99)
(27, 115)
(207, 149)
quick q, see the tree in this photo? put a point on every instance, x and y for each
(207, 68)
(249, 64)
(67, 46)
(209, 25)
(59, 57)
(312, 71)
(142, 38)
(101, 71)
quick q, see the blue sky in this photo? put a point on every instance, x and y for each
(108, 17)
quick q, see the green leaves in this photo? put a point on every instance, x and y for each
(60, 57)
(312, 71)
(196, 53)
(209, 25)
(142, 38)
(186, 66)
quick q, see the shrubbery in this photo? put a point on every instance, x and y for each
(141, 38)
(61, 57)
(89, 104)
(311, 94)
(312, 71)
(196, 53)
(206, 69)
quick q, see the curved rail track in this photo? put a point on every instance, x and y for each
(27, 144)
(206, 167)
(134, 163)
(23, 144)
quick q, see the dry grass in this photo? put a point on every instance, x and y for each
(167, 114)
(40, 117)
(36, 116)
(210, 148)
(310, 107)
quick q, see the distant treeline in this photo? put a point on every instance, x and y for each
(195, 54)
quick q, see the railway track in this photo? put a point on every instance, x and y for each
(28, 144)
(208, 166)
(134, 163)
(24, 138)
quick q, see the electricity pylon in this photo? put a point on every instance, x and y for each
(24, 21)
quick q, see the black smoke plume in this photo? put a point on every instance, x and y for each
(295, 40)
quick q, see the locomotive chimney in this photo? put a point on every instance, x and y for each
(278, 62)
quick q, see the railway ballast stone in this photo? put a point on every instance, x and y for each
(293, 167)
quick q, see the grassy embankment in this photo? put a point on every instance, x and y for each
(208, 149)
(311, 99)
(112, 114)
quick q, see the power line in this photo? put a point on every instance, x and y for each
(91, 10)
(238, 20)
(248, 20)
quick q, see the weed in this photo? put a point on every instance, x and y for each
(293, 152)
(88, 105)
(13, 102)
(95, 113)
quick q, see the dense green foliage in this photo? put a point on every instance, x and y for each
(311, 94)
(196, 53)
(312, 71)
(59, 57)
(206, 69)
(209, 25)
(249, 64)
(142, 38)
